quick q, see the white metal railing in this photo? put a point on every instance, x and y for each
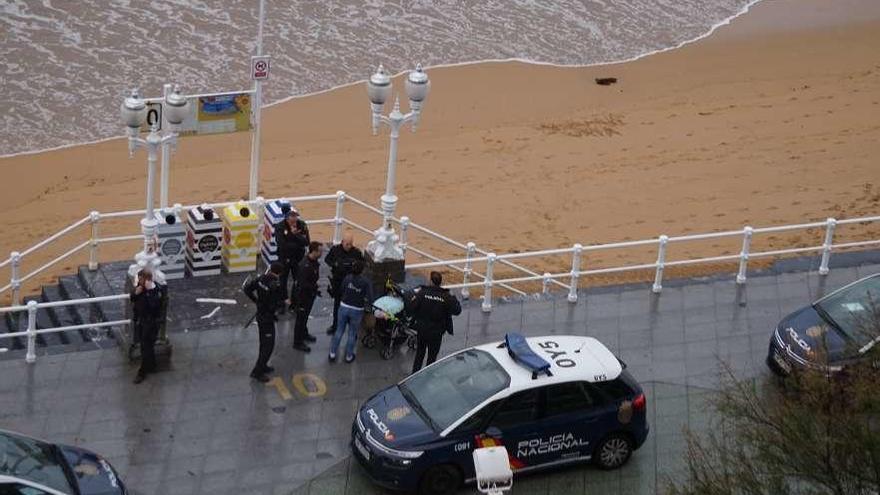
(464, 264)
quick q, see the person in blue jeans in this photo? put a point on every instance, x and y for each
(357, 294)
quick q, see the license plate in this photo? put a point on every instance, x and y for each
(781, 362)
(360, 447)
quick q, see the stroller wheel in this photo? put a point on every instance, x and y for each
(387, 353)
(411, 342)
(369, 341)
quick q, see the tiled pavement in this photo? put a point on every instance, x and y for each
(204, 427)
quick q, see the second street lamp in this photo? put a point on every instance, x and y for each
(385, 245)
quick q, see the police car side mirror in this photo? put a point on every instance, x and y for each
(494, 432)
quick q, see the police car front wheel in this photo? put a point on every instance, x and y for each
(440, 480)
(613, 451)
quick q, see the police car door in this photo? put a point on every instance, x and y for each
(517, 422)
(569, 423)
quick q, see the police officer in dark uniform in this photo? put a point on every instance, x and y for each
(306, 292)
(267, 293)
(146, 299)
(433, 308)
(340, 259)
(292, 239)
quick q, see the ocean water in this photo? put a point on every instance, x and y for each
(67, 63)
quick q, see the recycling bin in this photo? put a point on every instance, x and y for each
(273, 212)
(240, 242)
(204, 231)
(171, 235)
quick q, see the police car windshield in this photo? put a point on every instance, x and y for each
(451, 388)
(32, 460)
(854, 310)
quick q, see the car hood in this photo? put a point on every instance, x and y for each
(808, 336)
(394, 422)
(94, 475)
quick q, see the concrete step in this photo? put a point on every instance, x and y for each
(10, 323)
(95, 283)
(61, 315)
(43, 321)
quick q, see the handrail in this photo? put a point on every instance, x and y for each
(67, 328)
(64, 256)
(58, 234)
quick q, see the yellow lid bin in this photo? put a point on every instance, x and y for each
(240, 241)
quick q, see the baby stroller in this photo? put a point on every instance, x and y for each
(392, 322)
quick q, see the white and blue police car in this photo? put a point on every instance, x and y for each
(550, 401)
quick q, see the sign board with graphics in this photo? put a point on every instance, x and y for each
(207, 114)
(260, 68)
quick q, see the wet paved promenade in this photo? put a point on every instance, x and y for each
(203, 426)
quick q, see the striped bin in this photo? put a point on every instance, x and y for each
(240, 242)
(274, 212)
(203, 235)
(172, 241)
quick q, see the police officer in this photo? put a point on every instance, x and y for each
(340, 259)
(306, 292)
(433, 308)
(267, 293)
(146, 299)
(292, 239)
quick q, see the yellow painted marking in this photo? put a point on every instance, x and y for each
(281, 387)
(309, 385)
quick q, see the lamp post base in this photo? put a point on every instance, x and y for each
(378, 271)
(385, 245)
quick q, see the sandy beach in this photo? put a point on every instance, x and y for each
(771, 120)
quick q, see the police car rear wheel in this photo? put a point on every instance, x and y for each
(440, 480)
(613, 452)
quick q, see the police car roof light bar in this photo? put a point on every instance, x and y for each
(519, 350)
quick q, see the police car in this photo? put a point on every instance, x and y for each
(549, 400)
(33, 467)
(832, 332)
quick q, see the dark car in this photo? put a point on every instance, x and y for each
(33, 467)
(550, 401)
(832, 332)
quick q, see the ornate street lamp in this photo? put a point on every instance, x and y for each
(385, 245)
(134, 112)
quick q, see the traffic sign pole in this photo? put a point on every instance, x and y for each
(258, 111)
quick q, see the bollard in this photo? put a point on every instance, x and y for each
(468, 269)
(404, 229)
(577, 249)
(546, 282)
(338, 220)
(744, 255)
(14, 281)
(830, 224)
(31, 355)
(94, 217)
(661, 263)
(487, 284)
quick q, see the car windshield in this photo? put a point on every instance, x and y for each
(31, 460)
(854, 310)
(449, 389)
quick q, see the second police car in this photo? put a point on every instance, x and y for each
(549, 400)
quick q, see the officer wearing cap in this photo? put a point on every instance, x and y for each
(267, 293)
(432, 308)
(292, 239)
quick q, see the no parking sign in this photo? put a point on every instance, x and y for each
(260, 68)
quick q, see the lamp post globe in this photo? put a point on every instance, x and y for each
(379, 87)
(175, 107)
(417, 85)
(133, 112)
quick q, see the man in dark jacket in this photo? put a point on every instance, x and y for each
(292, 239)
(267, 293)
(357, 295)
(146, 299)
(433, 308)
(304, 298)
(340, 259)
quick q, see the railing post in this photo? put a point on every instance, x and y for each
(661, 263)
(14, 281)
(404, 229)
(577, 249)
(94, 218)
(31, 355)
(487, 283)
(338, 219)
(468, 269)
(744, 255)
(830, 224)
(546, 288)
